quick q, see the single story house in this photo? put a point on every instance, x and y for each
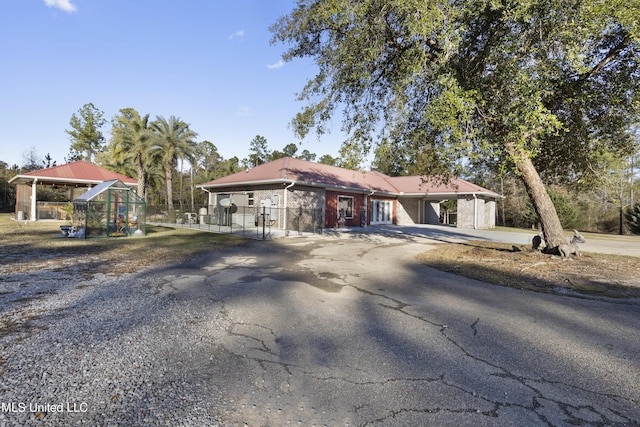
(346, 197)
(76, 176)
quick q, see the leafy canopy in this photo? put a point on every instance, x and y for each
(441, 81)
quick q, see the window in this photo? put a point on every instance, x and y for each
(345, 205)
(250, 199)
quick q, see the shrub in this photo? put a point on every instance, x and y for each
(632, 215)
(564, 207)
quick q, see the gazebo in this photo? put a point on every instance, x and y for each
(110, 209)
(77, 177)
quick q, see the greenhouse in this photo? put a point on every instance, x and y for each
(110, 209)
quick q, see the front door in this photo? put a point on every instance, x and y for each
(381, 212)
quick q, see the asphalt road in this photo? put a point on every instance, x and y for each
(349, 330)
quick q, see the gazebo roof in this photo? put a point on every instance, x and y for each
(75, 173)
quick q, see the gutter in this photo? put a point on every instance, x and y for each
(437, 195)
(286, 191)
(475, 211)
(243, 183)
(366, 206)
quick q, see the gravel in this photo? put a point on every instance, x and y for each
(79, 348)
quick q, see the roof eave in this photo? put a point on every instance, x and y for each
(244, 183)
(452, 194)
(30, 178)
(345, 188)
(289, 181)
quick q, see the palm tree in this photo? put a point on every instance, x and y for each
(132, 138)
(172, 140)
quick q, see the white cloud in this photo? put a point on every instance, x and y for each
(61, 4)
(237, 34)
(277, 65)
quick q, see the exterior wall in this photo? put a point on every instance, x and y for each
(484, 209)
(408, 211)
(418, 211)
(480, 213)
(23, 201)
(331, 205)
(305, 208)
(431, 213)
(300, 201)
(466, 208)
(248, 207)
(489, 214)
(305, 203)
(306, 197)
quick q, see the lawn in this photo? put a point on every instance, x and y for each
(523, 268)
(25, 246)
(32, 245)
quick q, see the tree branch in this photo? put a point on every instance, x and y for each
(608, 58)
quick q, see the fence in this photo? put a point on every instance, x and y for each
(249, 221)
(44, 210)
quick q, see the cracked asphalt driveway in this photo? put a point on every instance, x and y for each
(351, 330)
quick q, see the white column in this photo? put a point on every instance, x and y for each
(33, 199)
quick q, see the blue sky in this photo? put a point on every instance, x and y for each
(208, 62)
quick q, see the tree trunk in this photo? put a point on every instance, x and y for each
(181, 183)
(549, 221)
(192, 189)
(169, 181)
(142, 179)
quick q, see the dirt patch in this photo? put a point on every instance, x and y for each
(523, 268)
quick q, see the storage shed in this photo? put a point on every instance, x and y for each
(110, 209)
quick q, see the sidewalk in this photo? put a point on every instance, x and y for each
(256, 233)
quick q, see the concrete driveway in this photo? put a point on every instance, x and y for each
(348, 330)
(606, 244)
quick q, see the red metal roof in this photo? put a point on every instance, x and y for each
(79, 172)
(288, 169)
